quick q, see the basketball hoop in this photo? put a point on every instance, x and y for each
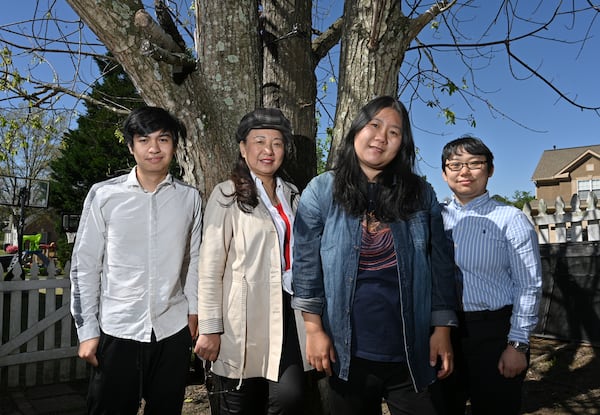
(71, 237)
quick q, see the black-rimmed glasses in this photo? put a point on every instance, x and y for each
(471, 165)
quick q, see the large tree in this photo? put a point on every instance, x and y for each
(30, 141)
(209, 61)
(93, 151)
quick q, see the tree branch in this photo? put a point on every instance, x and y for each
(418, 23)
(163, 15)
(56, 89)
(322, 44)
(547, 82)
(154, 32)
(161, 47)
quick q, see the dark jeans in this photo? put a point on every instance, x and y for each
(369, 382)
(259, 396)
(130, 370)
(478, 344)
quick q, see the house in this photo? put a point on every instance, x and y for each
(566, 172)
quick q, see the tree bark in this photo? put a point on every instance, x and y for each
(289, 85)
(375, 37)
(211, 100)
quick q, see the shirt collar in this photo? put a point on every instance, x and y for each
(259, 182)
(474, 203)
(133, 181)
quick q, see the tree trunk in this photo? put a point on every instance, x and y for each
(289, 85)
(374, 39)
(212, 99)
(371, 54)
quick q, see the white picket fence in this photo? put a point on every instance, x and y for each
(39, 343)
(576, 225)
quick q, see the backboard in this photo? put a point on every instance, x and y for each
(70, 222)
(37, 191)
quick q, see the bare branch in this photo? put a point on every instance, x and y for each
(163, 15)
(176, 59)
(540, 30)
(40, 49)
(418, 23)
(328, 39)
(46, 91)
(536, 74)
(154, 32)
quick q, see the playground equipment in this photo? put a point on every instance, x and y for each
(33, 250)
(25, 192)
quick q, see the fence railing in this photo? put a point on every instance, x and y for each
(39, 342)
(576, 225)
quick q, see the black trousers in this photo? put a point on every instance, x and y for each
(478, 344)
(369, 382)
(130, 370)
(259, 396)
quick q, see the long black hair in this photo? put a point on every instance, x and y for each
(399, 189)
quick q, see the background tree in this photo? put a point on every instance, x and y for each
(93, 151)
(210, 62)
(518, 199)
(30, 140)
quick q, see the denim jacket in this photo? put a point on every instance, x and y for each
(326, 255)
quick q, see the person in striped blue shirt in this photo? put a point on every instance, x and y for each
(498, 275)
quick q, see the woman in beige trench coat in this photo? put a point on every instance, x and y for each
(247, 328)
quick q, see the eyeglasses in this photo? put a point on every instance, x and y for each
(471, 165)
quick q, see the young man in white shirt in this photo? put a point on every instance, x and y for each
(134, 276)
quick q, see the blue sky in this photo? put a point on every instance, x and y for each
(545, 121)
(541, 119)
(536, 119)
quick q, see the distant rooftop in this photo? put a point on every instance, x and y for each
(554, 162)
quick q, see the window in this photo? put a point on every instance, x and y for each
(584, 187)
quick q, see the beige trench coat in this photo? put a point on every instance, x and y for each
(240, 288)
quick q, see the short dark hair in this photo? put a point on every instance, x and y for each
(146, 120)
(471, 145)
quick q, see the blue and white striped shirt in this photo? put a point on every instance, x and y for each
(498, 260)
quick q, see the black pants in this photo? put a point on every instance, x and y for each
(129, 371)
(478, 344)
(369, 382)
(259, 396)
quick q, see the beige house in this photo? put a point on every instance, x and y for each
(566, 172)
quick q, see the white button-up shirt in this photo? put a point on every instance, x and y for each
(134, 268)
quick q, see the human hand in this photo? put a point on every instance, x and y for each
(193, 325)
(440, 347)
(87, 350)
(320, 352)
(208, 346)
(512, 362)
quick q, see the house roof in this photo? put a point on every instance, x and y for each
(556, 162)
